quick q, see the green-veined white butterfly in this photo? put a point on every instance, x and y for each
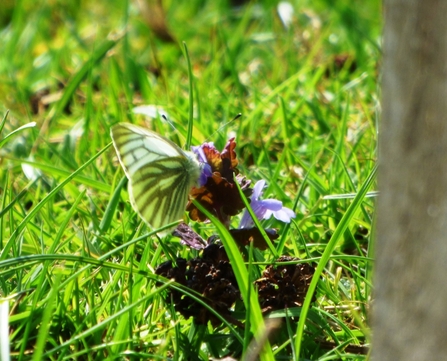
(160, 173)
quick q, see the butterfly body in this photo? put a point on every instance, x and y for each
(160, 173)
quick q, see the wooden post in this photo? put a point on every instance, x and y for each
(410, 307)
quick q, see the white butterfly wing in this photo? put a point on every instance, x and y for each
(160, 173)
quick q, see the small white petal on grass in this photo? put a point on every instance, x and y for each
(4, 330)
(285, 12)
(30, 172)
(151, 111)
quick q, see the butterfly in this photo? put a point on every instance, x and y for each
(160, 173)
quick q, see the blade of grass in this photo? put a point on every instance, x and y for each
(42, 336)
(57, 171)
(22, 193)
(74, 83)
(248, 293)
(256, 221)
(191, 98)
(338, 233)
(26, 126)
(36, 209)
(110, 209)
(3, 122)
(103, 323)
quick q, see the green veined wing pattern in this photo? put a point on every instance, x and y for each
(160, 173)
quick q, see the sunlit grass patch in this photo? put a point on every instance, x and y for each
(78, 265)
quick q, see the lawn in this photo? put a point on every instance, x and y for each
(83, 277)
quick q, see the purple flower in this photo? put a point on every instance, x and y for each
(206, 168)
(198, 150)
(264, 209)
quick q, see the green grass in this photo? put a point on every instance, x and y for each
(77, 264)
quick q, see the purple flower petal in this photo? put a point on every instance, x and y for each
(257, 189)
(198, 150)
(271, 204)
(258, 209)
(246, 221)
(284, 215)
(268, 214)
(205, 167)
(264, 209)
(205, 174)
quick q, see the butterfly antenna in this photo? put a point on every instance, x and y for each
(224, 125)
(168, 121)
(165, 118)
